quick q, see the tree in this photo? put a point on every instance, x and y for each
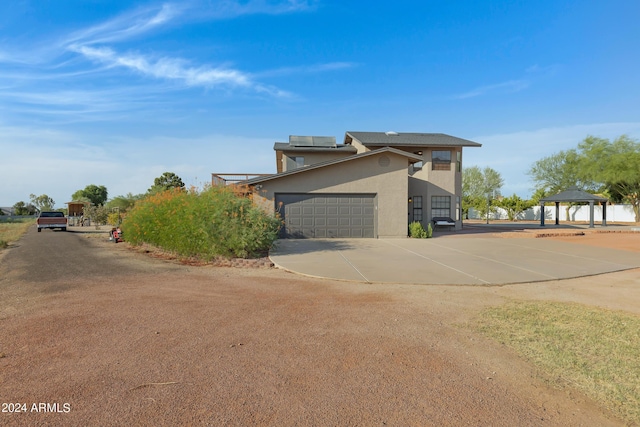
(167, 181)
(560, 171)
(124, 203)
(540, 193)
(479, 186)
(597, 165)
(514, 206)
(97, 213)
(42, 202)
(21, 208)
(615, 166)
(96, 194)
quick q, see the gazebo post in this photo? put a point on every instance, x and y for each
(541, 214)
(604, 214)
(591, 214)
(557, 213)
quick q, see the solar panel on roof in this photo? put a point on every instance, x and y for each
(312, 141)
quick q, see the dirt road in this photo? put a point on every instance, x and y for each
(94, 333)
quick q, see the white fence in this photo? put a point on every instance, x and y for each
(615, 213)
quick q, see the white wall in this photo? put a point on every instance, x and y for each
(615, 213)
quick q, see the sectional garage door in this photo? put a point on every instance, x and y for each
(327, 215)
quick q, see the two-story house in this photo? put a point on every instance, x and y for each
(372, 185)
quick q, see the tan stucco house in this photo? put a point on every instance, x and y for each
(372, 185)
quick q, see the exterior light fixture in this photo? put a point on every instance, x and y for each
(410, 200)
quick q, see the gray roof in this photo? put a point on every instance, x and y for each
(409, 139)
(285, 146)
(412, 157)
(574, 194)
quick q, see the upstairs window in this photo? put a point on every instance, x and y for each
(441, 160)
(418, 165)
(299, 161)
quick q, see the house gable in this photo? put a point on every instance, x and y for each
(382, 173)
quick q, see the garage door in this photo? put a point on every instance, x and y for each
(327, 215)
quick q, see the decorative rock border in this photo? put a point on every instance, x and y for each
(577, 233)
(264, 262)
(242, 262)
(583, 233)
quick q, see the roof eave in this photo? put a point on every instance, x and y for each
(412, 158)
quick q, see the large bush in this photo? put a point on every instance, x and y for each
(215, 221)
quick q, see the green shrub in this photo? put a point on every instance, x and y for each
(114, 219)
(97, 214)
(216, 221)
(417, 231)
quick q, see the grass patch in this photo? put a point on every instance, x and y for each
(594, 350)
(11, 231)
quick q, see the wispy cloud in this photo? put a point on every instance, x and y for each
(232, 9)
(510, 86)
(79, 103)
(124, 27)
(91, 44)
(35, 79)
(142, 20)
(306, 69)
(168, 68)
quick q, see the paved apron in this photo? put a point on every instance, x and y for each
(458, 261)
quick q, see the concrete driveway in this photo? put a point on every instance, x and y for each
(455, 260)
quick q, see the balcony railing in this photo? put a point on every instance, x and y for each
(233, 178)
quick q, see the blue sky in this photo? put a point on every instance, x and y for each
(115, 93)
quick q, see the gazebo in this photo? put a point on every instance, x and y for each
(575, 195)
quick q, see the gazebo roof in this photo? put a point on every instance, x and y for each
(574, 194)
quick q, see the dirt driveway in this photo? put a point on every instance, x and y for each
(94, 333)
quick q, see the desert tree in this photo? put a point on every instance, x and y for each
(95, 194)
(166, 181)
(513, 206)
(615, 167)
(597, 165)
(42, 202)
(479, 187)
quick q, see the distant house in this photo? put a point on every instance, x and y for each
(6, 211)
(371, 185)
